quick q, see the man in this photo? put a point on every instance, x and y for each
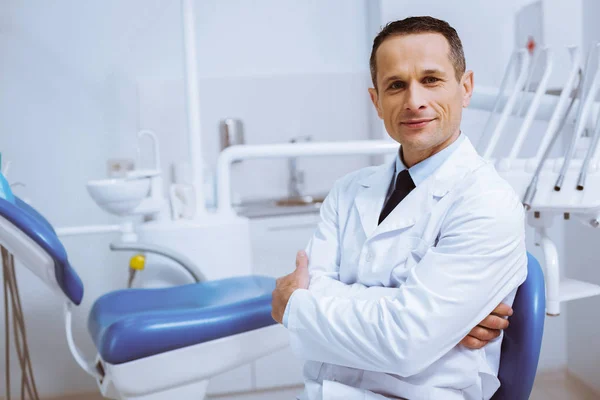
(409, 256)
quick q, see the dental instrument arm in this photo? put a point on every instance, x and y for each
(570, 90)
(180, 259)
(454, 286)
(585, 107)
(535, 103)
(532, 188)
(508, 108)
(527, 86)
(501, 90)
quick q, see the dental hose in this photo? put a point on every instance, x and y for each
(11, 289)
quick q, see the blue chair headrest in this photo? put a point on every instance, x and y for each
(38, 229)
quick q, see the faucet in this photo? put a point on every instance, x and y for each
(296, 177)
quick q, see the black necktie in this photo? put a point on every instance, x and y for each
(404, 185)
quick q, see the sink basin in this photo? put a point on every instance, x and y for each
(119, 196)
(299, 201)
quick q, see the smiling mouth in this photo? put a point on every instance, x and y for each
(416, 123)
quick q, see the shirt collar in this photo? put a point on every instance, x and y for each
(421, 171)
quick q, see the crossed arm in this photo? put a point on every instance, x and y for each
(488, 329)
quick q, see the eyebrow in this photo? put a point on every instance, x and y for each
(430, 71)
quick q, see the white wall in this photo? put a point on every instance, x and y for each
(288, 105)
(77, 79)
(563, 24)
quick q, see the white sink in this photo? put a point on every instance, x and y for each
(119, 196)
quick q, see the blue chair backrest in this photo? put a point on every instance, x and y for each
(39, 230)
(523, 338)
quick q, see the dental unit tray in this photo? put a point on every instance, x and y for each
(552, 187)
(547, 200)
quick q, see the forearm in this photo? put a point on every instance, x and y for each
(401, 334)
(326, 286)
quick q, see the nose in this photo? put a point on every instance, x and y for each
(415, 99)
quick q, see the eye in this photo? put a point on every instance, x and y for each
(430, 79)
(397, 85)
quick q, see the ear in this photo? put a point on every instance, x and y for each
(467, 87)
(375, 99)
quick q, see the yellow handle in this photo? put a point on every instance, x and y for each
(137, 262)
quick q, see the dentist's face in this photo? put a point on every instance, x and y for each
(418, 95)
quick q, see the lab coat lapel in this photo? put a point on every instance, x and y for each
(420, 201)
(371, 195)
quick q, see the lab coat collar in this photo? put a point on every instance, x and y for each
(370, 197)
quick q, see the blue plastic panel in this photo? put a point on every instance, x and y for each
(36, 227)
(130, 324)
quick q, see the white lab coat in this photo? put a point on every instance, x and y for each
(387, 305)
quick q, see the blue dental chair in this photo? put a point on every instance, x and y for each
(523, 338)
(152, 344)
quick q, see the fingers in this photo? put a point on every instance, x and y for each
(489, 329)
(484, 334)
(494, 322)
(473, 343)
(503, 310)
(301, 259)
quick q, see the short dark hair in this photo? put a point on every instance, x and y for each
(415, 25)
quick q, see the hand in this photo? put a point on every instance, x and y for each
(286, 285)
(488, 329)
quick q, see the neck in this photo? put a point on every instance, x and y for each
(410, 157)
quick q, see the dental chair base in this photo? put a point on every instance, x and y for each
(185, 373)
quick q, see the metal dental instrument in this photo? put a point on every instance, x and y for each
(588, 156)
(590, 152)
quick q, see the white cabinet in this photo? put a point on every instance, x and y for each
(274, 241)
